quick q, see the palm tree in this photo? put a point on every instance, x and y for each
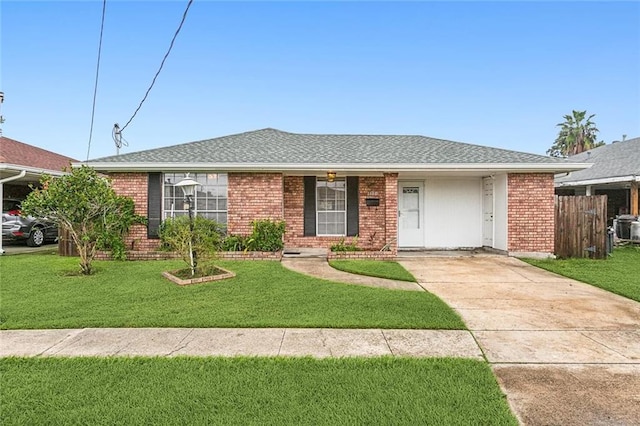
(575, 136)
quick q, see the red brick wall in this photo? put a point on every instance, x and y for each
(253, 196)
(372, 231)
(374, 228)
(294, 211)
(391, 209)
(531, 213)
(270, 196)
(134, 185)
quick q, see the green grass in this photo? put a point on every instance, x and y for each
(37, 292)
(618, 274)
(374, 268)
(250, 391)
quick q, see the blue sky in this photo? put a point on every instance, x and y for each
(492, 73)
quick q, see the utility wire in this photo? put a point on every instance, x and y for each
(184, 16)
(95, 87)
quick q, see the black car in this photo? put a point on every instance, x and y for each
(20, 228)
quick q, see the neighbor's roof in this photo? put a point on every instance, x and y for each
(18, 155)
(616, 162)
(271, 149)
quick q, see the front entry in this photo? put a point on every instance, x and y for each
(410, 214)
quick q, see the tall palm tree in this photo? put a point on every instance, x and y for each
(575, 136)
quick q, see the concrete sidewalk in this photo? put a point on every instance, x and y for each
(314, 342)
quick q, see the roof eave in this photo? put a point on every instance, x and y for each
(338, 167)
(31, 170)
(600, 181)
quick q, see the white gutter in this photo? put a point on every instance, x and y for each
(630, 178)
(30, 170)
(337, 167)
(2, 182)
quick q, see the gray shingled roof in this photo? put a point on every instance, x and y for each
(271, 146)
(619, 159)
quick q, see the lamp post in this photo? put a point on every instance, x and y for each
(188, 186)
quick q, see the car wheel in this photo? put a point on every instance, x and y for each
(36, 237)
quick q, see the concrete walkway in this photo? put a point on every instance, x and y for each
(318, 343)
(319, 267)
(564, 352)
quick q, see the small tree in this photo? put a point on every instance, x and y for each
(205, 240)
(575, 136)
(83, 204)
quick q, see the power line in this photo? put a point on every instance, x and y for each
(184, 16)
(95, 87)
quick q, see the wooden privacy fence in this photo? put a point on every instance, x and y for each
(581, 226)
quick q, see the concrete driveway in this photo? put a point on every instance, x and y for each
(564, 352)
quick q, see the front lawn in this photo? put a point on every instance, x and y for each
(250, 391)
(38, 292)
(620, 273)
(374, 268)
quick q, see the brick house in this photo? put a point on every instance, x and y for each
(404, 191)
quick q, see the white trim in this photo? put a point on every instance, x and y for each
(30, 170)
(339, 167)
(631, 178)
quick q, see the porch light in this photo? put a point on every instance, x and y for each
(331, 176)
(187, 185)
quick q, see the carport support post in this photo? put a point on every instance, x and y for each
(2, 182)
(634, 199)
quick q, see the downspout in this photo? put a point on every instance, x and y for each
(2, 182)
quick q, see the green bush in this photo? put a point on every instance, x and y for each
(266, 236)
(234, 243)
(341, 246)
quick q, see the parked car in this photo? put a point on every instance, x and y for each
(25, 228)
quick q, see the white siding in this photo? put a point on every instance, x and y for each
(500, 212)
(453, 213)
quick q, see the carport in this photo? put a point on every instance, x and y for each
(22, 165)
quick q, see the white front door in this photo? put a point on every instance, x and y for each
(487, 212)
(410, 214)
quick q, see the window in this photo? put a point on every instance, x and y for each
(210, 199)
(331, 207)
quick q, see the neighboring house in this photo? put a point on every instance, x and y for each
(21, 166)
(405, 191)
(18, 156)
(615, 172)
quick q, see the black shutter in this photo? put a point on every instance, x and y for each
(352, 206)
(309, 206)
(154, 204)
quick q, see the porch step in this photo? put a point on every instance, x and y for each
(304, 252)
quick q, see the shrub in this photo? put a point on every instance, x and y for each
(266, 236)
(341, 246)
(234, 243)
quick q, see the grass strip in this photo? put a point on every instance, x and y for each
(250, 391)
(38, 293)
(618, 274)
(374, 268)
